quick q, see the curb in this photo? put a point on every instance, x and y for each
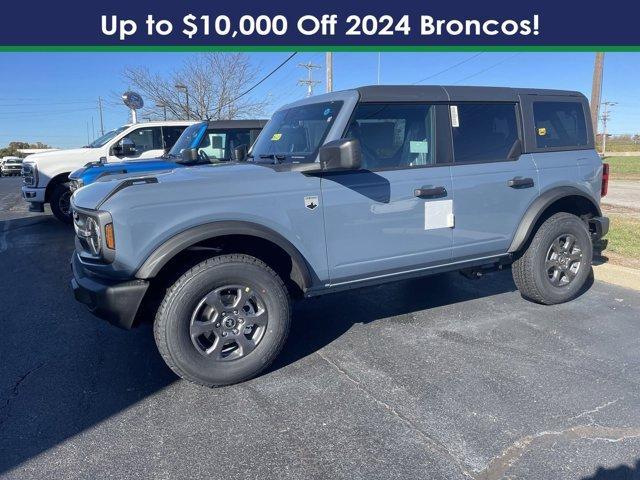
(618, 275)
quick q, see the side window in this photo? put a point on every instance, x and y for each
(214, 144)
(483, 132)
(559, 124)
(394, 135)
(219, 145)
(170, 135)
(144, 139)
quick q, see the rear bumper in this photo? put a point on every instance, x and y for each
(116, 302)
(599, 227)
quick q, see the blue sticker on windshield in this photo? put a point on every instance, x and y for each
(327, 111)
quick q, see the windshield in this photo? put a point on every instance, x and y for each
(295, 134)
(189, 139)
(99, 142)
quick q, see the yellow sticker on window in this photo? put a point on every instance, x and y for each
(542, 131)
(276, 137)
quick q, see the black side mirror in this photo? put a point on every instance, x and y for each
(343, 154)
(239, 153)
(189, 155)
(515, 151)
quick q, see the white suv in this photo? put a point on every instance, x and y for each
(46, 174)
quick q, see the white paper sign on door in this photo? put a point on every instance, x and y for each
(438, 214)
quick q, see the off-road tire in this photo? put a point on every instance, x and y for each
(171, 326)
(529, 272)
(54, 201)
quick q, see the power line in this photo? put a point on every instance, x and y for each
(468, 59)
(258, 83)
(486, 69)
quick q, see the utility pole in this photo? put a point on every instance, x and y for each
(309, 81)
(101, 121)
(164, 110)
(329, 62)
(605, 119)
(596, 91)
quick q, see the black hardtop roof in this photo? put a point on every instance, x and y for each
(444, 93)
(237, 123)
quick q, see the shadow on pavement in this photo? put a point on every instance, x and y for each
(62, 370)
(621, 472)
(319, 321)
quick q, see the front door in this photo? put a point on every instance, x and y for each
(393, 215)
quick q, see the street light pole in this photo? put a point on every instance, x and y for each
(181, 86)
(164, 110)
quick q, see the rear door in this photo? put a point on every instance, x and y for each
(391, 216)
(493, 184)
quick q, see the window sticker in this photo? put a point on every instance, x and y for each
(455, 120)
(438, 214)
(276, 137)
(542, 131)
(418, 146)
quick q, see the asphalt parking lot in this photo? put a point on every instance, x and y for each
(438, 378)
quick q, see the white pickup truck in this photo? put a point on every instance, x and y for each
(46, 174)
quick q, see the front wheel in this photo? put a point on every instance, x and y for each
(557, 263)
(60, 202)
(224, 321)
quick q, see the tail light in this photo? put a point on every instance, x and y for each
(605, 179)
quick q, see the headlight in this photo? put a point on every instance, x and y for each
(76, 184)
(30, 174)
(95, 234)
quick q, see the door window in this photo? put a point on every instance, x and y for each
(144, 139)
(170, 135)
(559, 124)
(483, 132)
(394, 135)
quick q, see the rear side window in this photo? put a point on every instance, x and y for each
(559, 124)
(483, 132)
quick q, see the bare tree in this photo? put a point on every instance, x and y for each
(213, 80)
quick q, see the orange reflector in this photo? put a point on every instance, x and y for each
(109, 236)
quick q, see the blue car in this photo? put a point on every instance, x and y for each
(202, 143)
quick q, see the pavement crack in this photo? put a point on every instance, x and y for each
(15, 390)
(589, 413)
(426, 440)
(499, 465)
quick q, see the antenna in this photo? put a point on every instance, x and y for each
(309, 81)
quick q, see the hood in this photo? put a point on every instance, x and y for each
(184, 179)
(56, 155)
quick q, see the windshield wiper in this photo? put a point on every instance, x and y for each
(278, 157)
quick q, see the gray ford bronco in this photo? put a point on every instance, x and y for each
(339, 191)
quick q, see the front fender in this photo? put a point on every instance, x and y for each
(183, 240)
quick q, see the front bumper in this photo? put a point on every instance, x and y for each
(116, 302)
(32, 194)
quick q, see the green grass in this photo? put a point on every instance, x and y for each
(624, 236)
(624, 167)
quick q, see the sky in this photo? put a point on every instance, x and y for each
(52, 97)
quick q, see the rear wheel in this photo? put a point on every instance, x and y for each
(557, 263)
(224, 321)
(60, 202)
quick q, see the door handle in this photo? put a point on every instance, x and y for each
(519, 182)
(430, 192)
